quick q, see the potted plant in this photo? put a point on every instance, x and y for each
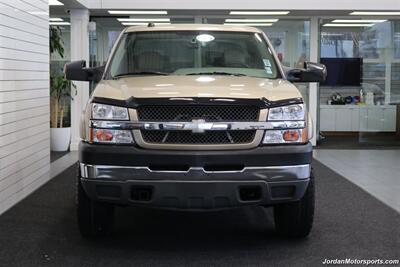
(60, 95)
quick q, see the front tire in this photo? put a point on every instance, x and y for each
(94, 218)
(295, 219)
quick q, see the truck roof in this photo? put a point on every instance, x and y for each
(193, 27)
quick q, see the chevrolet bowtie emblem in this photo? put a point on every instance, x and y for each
(200, 126)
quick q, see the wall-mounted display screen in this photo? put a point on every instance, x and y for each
(343, 71)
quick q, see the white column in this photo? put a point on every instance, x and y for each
(79, 51)
(313, 90)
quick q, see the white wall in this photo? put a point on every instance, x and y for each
(24, 99)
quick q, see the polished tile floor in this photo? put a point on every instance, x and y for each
(375, 171)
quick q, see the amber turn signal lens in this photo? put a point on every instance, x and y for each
(104, 135)
(110, 136)
(304, 135)
(291, 135)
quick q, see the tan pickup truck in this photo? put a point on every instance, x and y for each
(195, 117)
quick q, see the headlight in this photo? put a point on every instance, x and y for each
(111, 136)
(290, 122)
(108, 112)
(285, 136)
(291, 112)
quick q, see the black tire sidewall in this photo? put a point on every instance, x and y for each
(295, 219)
(94, 218)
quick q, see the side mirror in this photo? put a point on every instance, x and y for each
(77, 71)
(312, 72)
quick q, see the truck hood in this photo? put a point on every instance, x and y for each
(196, 86)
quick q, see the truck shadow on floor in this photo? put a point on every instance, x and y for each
(154, 229)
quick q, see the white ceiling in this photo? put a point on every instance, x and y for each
(221, 8)
(245, 4)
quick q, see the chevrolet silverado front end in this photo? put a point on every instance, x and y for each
(195, 117)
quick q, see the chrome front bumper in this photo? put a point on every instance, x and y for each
(195, 188)
(129, 175)
(266, 173)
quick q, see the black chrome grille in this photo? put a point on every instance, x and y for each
(188, 113)
(208, 137)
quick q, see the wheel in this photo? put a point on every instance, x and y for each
(295, 219)
(94, 218)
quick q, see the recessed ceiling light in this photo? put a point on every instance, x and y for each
(248, 24)
(358, 20)
(59, 23)
(144, 19)
(375, 13)
(251, 20)
(138, 12)
(258, 13)
(142, 23)
(348, 25)
(55, 3)
(56, 19)
(331, 34)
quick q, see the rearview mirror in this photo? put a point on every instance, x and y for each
(312, 72)
(77, 71)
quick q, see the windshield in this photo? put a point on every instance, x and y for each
(193, 53)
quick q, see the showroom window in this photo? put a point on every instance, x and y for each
(358, 100)
(57, 62)
(103, 39)
(291, 41)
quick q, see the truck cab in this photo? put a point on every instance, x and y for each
(198, 118)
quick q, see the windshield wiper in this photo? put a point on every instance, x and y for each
(140, 73)
(217, 73)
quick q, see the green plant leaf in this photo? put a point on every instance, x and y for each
(56, 42)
